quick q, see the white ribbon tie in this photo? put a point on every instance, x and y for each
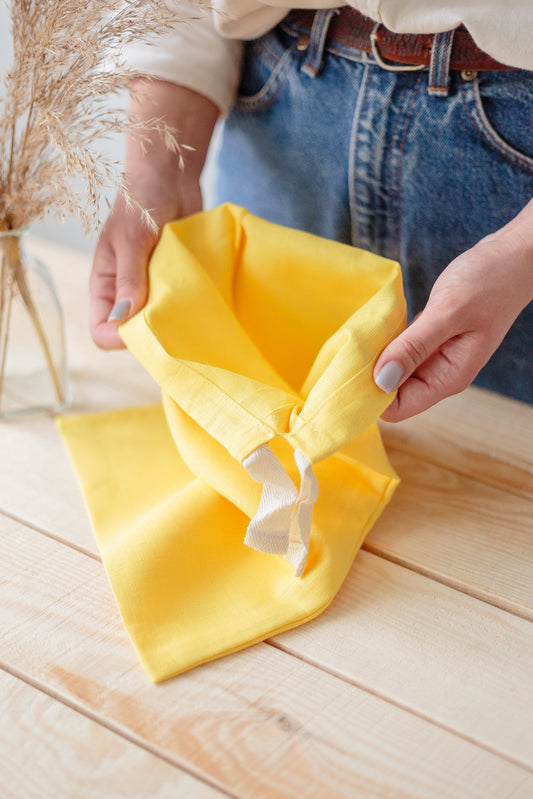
(282, 524)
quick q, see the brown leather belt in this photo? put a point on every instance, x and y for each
(350, 28)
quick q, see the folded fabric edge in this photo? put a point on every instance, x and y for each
(384, 499)
(250, 431)
(309, 431)
(153, 670)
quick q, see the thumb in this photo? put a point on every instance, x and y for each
(119, 287)
(410, 349)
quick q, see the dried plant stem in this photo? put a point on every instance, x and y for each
(13, 267)
(41, 335)
(7, 295)
(60, 100)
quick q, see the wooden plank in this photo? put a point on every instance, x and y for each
(440, 523)
(477, 433)
(464, 664)
(49, 751)
(38, 483)
(475, 537)
(37, 466)
(260, 723)
(455, 525)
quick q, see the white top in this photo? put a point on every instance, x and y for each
(204, 54)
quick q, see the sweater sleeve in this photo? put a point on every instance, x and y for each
(192, 54)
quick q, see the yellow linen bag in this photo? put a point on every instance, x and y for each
(233, 511)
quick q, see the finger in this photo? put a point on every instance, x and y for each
(412, 348)
(448, 371)
(102, 298)
(119, 286)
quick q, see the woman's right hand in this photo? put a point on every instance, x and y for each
(119, 278)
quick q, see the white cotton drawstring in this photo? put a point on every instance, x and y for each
(282, 524)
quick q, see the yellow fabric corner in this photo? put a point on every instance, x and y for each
(257, 335)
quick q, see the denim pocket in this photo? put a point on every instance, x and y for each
(266, 66)
(500, 106)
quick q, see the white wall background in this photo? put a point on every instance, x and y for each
(70, 231)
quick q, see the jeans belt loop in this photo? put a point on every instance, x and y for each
(439, 67)
(312, 65)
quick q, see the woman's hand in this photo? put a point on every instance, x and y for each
(472, 305)
(119, 279)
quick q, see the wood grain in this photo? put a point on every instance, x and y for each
(465, 533)
(49, 751)
(458, 527)
(259, 723)
(477, 433)
(37, 466)
(404, 688)
(464, 664)
(439, 523)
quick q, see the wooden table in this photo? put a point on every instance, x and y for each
(416, 682)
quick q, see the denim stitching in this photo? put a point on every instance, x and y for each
(352, 166)
(475, 112)
(439, 68)
(314, 60)
(409, 114)
(271, 87)
(272, 47)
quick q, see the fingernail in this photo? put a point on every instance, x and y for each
(389, 377)
(120, 310)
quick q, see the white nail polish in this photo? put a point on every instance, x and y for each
(389, 377)
(120, 310)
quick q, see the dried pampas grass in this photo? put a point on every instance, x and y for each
(67, 64)
(55, 108)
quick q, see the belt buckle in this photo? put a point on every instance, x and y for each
(383, 64)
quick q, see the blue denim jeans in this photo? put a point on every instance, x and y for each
(415, 166)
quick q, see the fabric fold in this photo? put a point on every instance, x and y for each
(264, 459)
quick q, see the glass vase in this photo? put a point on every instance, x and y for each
(33, 362)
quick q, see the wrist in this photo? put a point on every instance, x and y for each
(513, 245)
(191, 115)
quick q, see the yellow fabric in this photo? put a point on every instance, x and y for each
(256, 334)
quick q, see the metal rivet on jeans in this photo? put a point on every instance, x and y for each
(469, 74)
(303, 42)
